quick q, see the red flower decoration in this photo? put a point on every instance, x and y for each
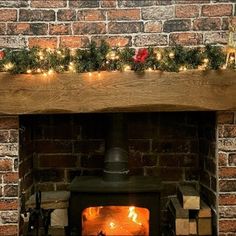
(2, 55)
(141, 55)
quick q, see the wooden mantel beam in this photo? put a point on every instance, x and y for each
(117, 91)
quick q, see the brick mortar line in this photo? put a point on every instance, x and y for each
(227, 206)
(9, 198)
(131, 34)
(121, 8)
(228, 219)
(227, 193)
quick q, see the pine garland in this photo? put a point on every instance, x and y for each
(105, 58)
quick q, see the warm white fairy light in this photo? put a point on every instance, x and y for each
(72, 52)
(49, 50)
(8, 66)
(206, 60)
(182, 68)
(224, 67)
(127, 68)
(29, 71)
(171, 55)
(149, 69)
(158, 56)
(39, 70)
(90, 74)
(231, 59)
(72, 67)
(51, 71)
(112, 56)
(41, 56)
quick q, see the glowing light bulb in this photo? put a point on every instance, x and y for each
(171, 55)
(39, 70)
(90, 74)
(149, 69)
(73, 52)
(29, 71)
(8, 66)
(40, 54)
(111, 55)
(158, 56)
(51, 71)
(183, 68)
(127, 68)
(206, 60)
(231, 58)
(224, 67)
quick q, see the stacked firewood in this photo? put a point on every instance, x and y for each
(188, 214)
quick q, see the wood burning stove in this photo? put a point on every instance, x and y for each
(115, 204)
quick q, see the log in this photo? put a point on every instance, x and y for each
(205, 210)
(117, 92)
(204, 226)
(192, 227)
(179, 217)
(189, 197)
(59, 218)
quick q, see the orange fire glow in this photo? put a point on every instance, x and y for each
(115, 221)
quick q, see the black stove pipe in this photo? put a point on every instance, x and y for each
(116, 157)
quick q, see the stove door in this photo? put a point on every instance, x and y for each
(115, 221)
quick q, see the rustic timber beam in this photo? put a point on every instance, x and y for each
(117, 91)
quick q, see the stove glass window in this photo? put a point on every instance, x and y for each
(115, 221)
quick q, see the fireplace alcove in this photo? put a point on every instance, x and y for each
(171, 147)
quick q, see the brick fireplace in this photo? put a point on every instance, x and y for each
(188, 140)
(177, 147)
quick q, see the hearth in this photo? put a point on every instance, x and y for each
(115, 203)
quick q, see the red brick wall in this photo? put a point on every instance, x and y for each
(74, 23)
(227, 172)
(9, 179)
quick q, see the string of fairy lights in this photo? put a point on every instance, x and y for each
(105, 58)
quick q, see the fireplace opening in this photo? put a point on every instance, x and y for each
(170, 148)
(115, 221)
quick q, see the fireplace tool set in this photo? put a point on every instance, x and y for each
(35, 218)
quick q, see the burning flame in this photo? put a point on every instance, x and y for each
(112, 225)
(92, 213)
(115, 221)
(133, 215)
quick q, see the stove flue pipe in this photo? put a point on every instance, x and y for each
(116, 157)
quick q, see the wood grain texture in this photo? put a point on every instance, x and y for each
(188, 197)
(117, 91)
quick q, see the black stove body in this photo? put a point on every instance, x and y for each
(116, 187)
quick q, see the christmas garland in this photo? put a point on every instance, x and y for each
(105, 58)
